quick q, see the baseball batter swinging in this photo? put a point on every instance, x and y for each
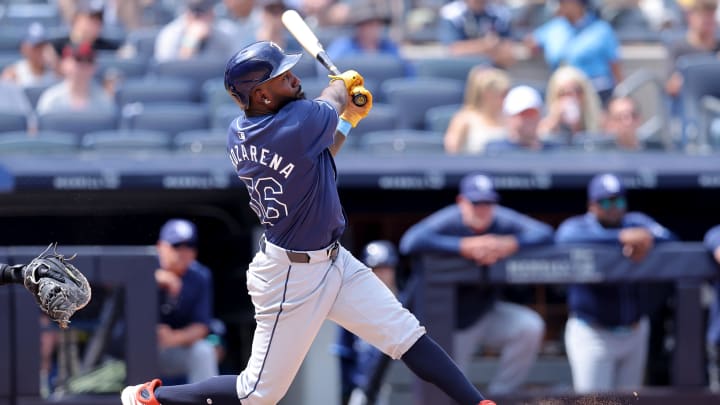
(282, 150)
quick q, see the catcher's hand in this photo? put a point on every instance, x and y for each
(353, 113)
(351, 78)
(59, 288)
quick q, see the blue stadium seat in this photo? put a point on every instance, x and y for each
(33, 93)
(22, 15)
(201, 141)
(8, 57)
(143, 41)
(402, 141)
(374, 68)
(454, 67)
(77, 122)
(129, 67)
(700, 73)
(381, 117)
(197, 70)
(149, 90)
(11, 36)
(171, 118)
(438, 118)
(413, 97)
(13, 121)
(223, 115)
(128, 141)
(43, 142)
(214, 95)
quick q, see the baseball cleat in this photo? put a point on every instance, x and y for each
(486, 402)
(142, 394)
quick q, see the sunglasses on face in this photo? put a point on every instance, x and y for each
(614, 202)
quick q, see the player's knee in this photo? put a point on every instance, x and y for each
(533, 329)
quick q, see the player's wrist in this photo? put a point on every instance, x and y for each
(344, 126)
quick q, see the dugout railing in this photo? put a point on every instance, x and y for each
(685, 264)
(127, 270)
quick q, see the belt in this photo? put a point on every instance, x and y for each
(300, 256)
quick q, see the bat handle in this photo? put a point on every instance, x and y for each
(359, 99)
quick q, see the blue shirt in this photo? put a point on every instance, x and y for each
(608, 305)
(590, 46)
(193, 304)
(442, 231)
(458, 22)
(284, 162)
(712, 242)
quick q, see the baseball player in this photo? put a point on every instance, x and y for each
(606, 335)
(282, 150)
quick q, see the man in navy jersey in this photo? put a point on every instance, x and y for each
(282, 150)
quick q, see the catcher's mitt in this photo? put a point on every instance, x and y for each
(59, 288)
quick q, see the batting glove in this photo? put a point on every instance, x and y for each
(353, 113)
(351, 78)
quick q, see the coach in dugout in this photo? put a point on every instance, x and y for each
(477, 228)
(607, 332)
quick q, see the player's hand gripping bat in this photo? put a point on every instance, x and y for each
(306, 37)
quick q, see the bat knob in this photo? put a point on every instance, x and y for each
(359, 99)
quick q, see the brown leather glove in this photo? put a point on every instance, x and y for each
(352, 113)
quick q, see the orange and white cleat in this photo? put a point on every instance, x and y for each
(142, 394)
(486, 402)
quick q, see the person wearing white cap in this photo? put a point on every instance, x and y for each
(523, 109)
(37, 66)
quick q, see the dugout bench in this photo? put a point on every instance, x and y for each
(130, 270)
(688, 264)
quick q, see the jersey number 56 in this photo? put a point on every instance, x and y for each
(264, 193)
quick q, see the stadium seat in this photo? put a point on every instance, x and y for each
(170, 118)
(45, 142)
(402, 141)
(699, 79)
(143, 41)
(413, 97)
(438, 118)
(149, 90)
(449, 67)
(129, 67)
(214, 95)
(8, 57)
(122, 140)
(22, 15)
(197, 70)
(381, 117)
(11, 36)
(223, 115)
(374, 68)
(77, 122)
(201, 141)
(33, 93)
(13, 121)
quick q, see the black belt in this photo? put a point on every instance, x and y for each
(304, 257)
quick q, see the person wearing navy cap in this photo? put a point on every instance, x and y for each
(477, 228)
(185, 299)
(607, 332)
(712, 243)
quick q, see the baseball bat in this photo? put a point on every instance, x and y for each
(310, 42)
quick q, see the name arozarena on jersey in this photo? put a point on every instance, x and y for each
(240, 153)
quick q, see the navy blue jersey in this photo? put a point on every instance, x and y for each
(712, 242)
(288, 170)
(193, 304)
(442, 231)
(609, 305)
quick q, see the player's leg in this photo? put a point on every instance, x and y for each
(466, 342)
(366, 307)
(591, 356)
(631, 368)
(517, 332)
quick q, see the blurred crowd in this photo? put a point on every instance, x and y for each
(505, 75)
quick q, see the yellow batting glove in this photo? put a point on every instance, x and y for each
(351, 78)
(353, 113)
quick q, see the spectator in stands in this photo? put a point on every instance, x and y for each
(78, 91)
(193, 34)
(712, 242)
(700, 38)
(185, 305)
(622, 121)
(86, 27)
(240, 20)
(606, 336)
(523, 109)
(572, 104)
(477, 27)
(38, 64)
(480, 230)
(360, 362)
(369, 36)
(124, 14)
(579, 38)
(480, 119)
(272, 28)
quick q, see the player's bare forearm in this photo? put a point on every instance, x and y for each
(338, 142)
(336, 94)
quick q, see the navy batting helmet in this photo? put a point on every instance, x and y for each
(380, 253)
(254, 65)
